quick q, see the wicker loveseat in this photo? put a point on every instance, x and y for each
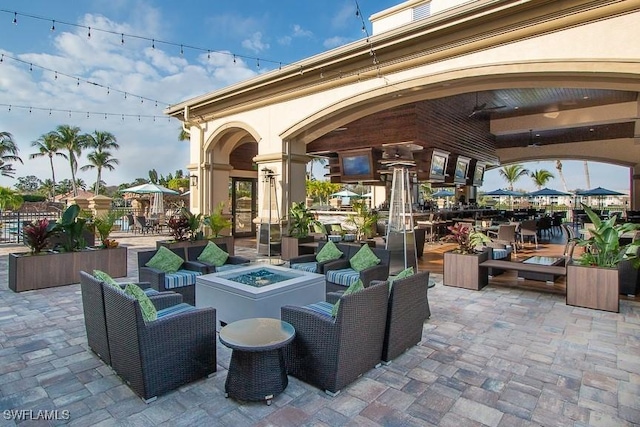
(339, 274)
(330, 353)
(94, 314)
(234, 261)
(158, 356)
(309, 262)
(183, 281)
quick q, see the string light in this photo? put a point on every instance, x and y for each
(53, 25)
(153, 44)
(181, 51)
(134, 36)
(372, 52)
(77, 79)
(88, 114)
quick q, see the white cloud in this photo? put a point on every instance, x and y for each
(345, 16)
(298, 31)
(255, 43)
(285, 40)
(336, 41)
(160, 73)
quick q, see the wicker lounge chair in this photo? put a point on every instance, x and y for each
(340, 275)
(234, 261)
(331, 353)
(309, 263)
(162, 355)
(183, 281)
(94, 315)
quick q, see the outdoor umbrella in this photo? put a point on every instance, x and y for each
(547, 192)
(345, 193)
(599, 192)
(501, 192)
(158, 191)
(443, 193)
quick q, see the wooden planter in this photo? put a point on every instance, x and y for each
(28, 272)
(227, 240)
(593, 287)
(463, 271)
(291, 248)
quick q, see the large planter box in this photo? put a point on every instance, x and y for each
(227, 240)
(291, 248)
(28, 272)
(463, 271)
(593, 287)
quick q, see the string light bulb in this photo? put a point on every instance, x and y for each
(89, 33)
(258, 62)
(153, 44)
(30, 67)
(53, 25)
(181, 51)
(2, 58)
(121, 38)
(15, 18)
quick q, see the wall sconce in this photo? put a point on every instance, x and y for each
(194, 180)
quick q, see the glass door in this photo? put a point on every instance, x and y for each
(244, 206)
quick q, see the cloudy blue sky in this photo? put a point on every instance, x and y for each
(76, 76)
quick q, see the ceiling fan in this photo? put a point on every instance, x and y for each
(482, 108)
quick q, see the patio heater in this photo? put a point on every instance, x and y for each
(266, 239)
(401, 242)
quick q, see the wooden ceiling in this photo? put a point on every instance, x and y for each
(457, 124)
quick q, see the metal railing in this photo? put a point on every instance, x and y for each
(11, 223)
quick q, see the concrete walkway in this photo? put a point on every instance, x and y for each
(497, 357)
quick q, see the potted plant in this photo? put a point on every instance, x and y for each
(300, 220)
(40, 268)
(104, 225)
(364, 220)
(593, 278)
(217, 221)
(462, 264)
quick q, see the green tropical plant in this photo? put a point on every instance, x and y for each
(216, 221)
(70, 228)
(37, 233)
(48, 147)
(9, 199)
(179, 226)
(364, 220)
(8, 153)
(603, 247)
(541, 177)
(104, 225)
(69, 138)
(194, 223)
(466, 238)
(300, 219)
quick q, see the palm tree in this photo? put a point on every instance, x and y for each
(101, 158)
(315, 161)
(47, 146)
(69, 138)
(48, 188)
(513, 173)
(586, 174)
(9, 199)
(184, 135)
(541, 177)
(559, 167)
(8, 153)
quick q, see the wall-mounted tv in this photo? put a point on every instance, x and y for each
(438, 165)
(358, 165)
(478, 174)
(458, 170)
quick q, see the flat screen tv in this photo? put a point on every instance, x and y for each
(459, 170)
(478, 175)
(438, 165)
(357, 165)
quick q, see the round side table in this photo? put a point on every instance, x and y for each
(257, 369)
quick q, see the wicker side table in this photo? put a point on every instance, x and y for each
(257, 369)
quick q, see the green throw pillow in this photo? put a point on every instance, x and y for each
(104, 277)
(147, 308)
(165, 260)
(364, 259)
(355, 287)
(213, 255)
(402, 275)
(329, 252)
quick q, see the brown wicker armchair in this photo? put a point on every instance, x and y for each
(309, 262)
(94, 315)
(183, 281)
(407, 311)
(339, 275)
(331, 353)
(234, 261)
(162, 355)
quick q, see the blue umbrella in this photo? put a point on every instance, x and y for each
(501, 192)
(547, 192)
(443, 193)
(598, 191)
